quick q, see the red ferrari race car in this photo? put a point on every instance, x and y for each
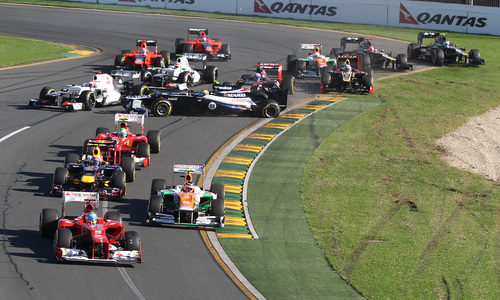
(128, 144)
(88, 238)
(143, 57)
(214, 49)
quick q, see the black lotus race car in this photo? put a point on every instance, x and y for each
(370, 55)
(265, 99)
(441, 51)
(348, 77)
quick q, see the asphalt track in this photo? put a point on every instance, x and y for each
(177, 264)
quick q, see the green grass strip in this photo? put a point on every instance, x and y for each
(28, 51)
(286, 250)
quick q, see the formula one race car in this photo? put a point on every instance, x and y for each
(127, 144)
(311, 66)
(143, 57)
(269, 73)
(215, 49)
(89, 173)
(102, 90)
(182, 72)
(186, 204)
(370, 55)
(88, 238)
(266, 100)
(442, 51)
(348, 77)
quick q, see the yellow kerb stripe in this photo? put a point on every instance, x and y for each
(234, 235)
(311, 106)
(277, 125)
(238, 160)
(230, 173)
(233, 188)
(233, 204)
(235, 221)
(330, 98)
(251, 148)
(293, 116)
(82, 52)
(261, 136)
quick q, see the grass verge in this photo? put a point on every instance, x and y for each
(285, 262)
(389, 214)
(27, 51)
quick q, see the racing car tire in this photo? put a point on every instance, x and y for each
(140, 90)
(217, 207)
(113, 216)
(154, 140)
(211, 74)
(365, 61)
(218, 188)
(475, 57)
(45, 90)
(143, 150)
(146, 76)
(188, 48)
(179, 41)
(325, 77)
(60, 176)
(63, 238)
(161, 108)
(412, 50)
(119, 60)
(118, 180)
(225, 49)
(132, 241)
(402, 61)
(185, 77)
(437, 57)
(128, 166)
(368, 79)
(48, 222)
(166, 56)
(158, 184)
(101, 130)
(159, 62)
(71, 158)
(271, 109)
(301, 65)
(88, 100)
(125, 52)
(291, 63)
(179, 48)
(289, 83)
(155, 204)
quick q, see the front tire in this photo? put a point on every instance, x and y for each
(475, 57)
(143, 150)
(161, 108)
(71, 158)
(88, 100)
(155, 204)
(60, 176)
(271, 109)
(438, 57)
(48, 222)
(128, 166)
(132, 241)
(158, 184)
(154, 141)
(325, 77)
(211, 74)
(63, 238)
(401, 62)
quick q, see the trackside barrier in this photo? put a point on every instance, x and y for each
(413, 14)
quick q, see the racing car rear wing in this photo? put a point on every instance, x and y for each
(197, 30)
(424, 35)
(195, 56)
(80, 197)
(309, 46)
(275, 70)
(351, 40)
(130, 118)
(189, 168)
(152, 43)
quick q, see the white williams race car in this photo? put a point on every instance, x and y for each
(102, 90)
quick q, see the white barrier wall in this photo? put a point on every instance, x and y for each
(400, 13)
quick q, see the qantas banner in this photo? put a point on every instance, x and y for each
(414, 14)
(449, 17)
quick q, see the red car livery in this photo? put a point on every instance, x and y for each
(214, 49)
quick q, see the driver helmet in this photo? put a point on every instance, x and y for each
(91, 218)
(122, 133)
(371, 49)
(204, 92)
(316, 51)
(95, 162)
(188, 187)
(257, 76)
(347, 66)
(364, 44)
(447, 44)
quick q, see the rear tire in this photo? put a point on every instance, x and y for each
(101, 130)
(179, 45)
(291, 64)
(119, 61)
(217, 207)
(63, 238)
(60, 176)
(71, 158)
(211, 74)
(289, 83)
(401, 62)
(188, 48)
(325, 77)
(475, 57)
(161, 108)
(159, 62)
(154, 141)
(132, 241)
(365, 61)
(155, 204)
(143, 150)
(166, 57)
(128, 166)
(48, 222)
(412, 50)
(218, 188)
(158, 184)
(271, 109)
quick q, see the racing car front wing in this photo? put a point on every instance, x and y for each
(67, 105)
(161, 218)
(117, 257)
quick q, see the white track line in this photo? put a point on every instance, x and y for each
(13, 133)
(131, 283)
